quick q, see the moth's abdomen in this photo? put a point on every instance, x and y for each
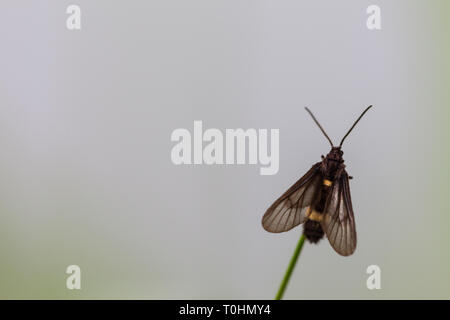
(312, 231)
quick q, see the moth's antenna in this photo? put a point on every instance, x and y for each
(317, 122)
(354, 124)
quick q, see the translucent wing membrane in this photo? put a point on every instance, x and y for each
(339, 221)
(290, 209)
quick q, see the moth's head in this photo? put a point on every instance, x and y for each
(335, 154)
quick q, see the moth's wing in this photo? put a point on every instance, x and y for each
(339, 222)
(290, 209)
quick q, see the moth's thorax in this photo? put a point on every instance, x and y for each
(332, 163)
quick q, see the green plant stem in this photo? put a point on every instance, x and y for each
(290, 268)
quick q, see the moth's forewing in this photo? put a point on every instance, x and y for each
(290, 209)
(339, 221)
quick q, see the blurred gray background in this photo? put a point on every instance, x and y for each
(85, 122)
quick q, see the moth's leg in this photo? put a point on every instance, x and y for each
(322, 156)
(350, 177)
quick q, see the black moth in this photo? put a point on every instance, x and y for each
(321, 200)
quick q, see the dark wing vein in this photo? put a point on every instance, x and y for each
(339, 221)
(290, 209)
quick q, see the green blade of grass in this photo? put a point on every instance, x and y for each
(290, 268)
